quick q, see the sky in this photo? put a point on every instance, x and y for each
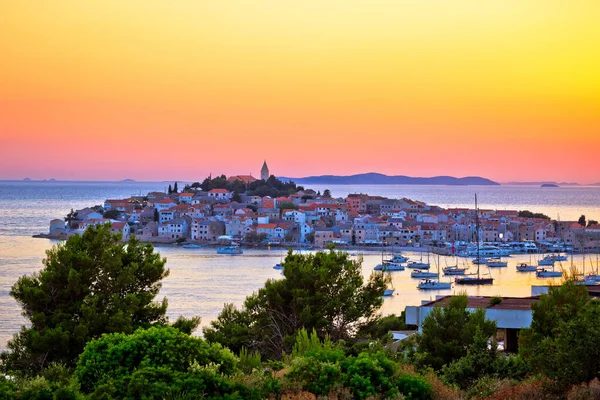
(165, 90)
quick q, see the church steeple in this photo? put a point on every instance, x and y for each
(264, 172)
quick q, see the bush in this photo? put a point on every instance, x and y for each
(315, 375)
(414, 387)
(370, 374)
(163, 355)
(585, 391)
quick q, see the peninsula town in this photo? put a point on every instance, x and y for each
(267, 211)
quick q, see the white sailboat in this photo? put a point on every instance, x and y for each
(430, 284)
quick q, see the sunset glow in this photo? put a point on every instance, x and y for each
(153, 90)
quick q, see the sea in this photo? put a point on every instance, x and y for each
(201, 282)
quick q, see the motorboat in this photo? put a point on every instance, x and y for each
(191, 246)
(496, 263)
(278, 266)
(230, 250)
(398, 258)
(486, 251)
(388, 292)
(559, 257)
(524, 267)
(547, 261)
(389, 266)
(479, 260)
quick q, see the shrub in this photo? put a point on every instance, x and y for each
(585, 391)
(414, 387)
(163, 355)
(370, 374)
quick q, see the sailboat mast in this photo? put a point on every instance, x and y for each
(477, 234)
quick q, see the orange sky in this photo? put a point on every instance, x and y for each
(155, 90)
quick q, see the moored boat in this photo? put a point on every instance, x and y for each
(418, 265)
(429, 284)
(454, 270)
(389, 266)
(496, 263)
(544, 273)
(524, 267)
(230, 250)
(423, 274)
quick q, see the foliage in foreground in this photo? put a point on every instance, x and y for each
(449, 332)
(323, 291)
(90, 285)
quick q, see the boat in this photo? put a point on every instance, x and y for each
(479, 260)
(429, 284)
(544, 273)
(524, 267)
(230, 250)
(486, 251)
(398, 258)
(423, 274)
(388, 292)
(559, 257)
(547, 261)
(475, 279)
(191, 246)
(417, 265)
(278, 266)
(496, 263)
(454, 270)
(389, 266)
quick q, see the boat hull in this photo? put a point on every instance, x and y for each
(474, 281)
(434, 285)
(455, 271)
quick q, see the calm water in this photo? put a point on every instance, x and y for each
(201, 282)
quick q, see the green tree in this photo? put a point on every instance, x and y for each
(323, 291)
(581, 221)
(166, 359)
(529, 214)
(327, 194)
(564, 323)
(448, 332)
(236, 197)
(91, 284)
(170, 191)
(255, 237)
(111, 214)
(156, 217)
(592, 222)
(175, 188)
(71, 218)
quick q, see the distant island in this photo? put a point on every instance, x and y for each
(128, 180)
(542, 183)
(549, 185)
(373, 178)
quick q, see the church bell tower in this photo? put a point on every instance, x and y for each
(264, 172)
